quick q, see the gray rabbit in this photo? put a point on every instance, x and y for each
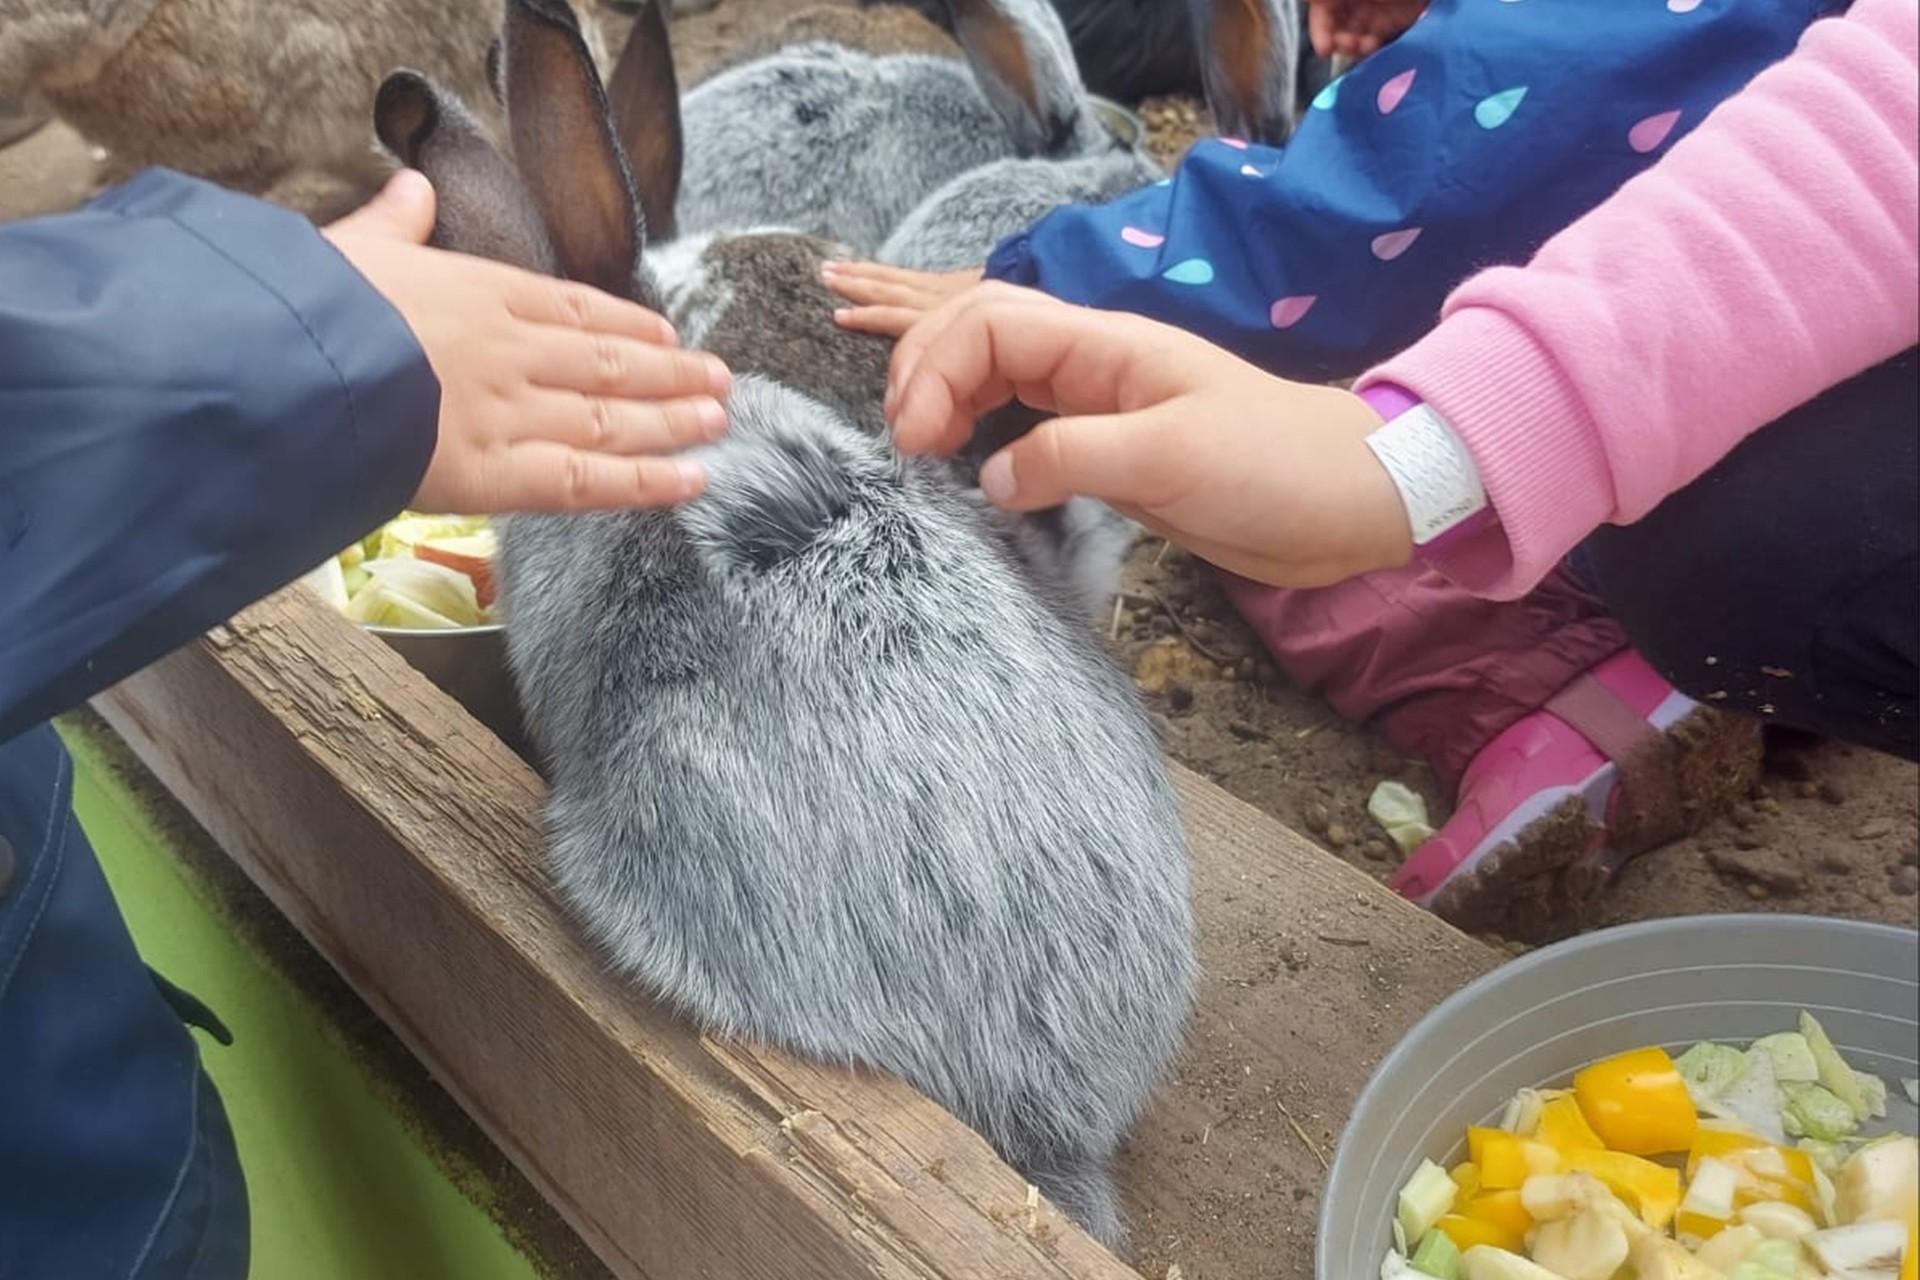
(841, 143)
(833, 765)
(961, 222)
(1133, 49)
(1248, 57)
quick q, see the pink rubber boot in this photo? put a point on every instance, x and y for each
(1567, 752)
(1617, 763)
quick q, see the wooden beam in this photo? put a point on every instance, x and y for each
(403, 839)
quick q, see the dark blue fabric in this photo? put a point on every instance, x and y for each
(115, 1156)
(199, 399)
(1809, 617)
(1483, 130)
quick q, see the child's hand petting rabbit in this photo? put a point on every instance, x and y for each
(1270, 479)
(552, 396)
(887, 300)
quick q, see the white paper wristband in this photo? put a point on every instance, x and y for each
(1436, 476)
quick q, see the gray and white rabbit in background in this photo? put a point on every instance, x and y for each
(1249, 55)
(833, 767)
(1133, 49)
(841, 143)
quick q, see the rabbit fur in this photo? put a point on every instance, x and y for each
(842, 143)
(265, 96)
(1248, 59)
(832, 766)
(959, 224)
(880, 31)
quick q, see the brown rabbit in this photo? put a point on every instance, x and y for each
(880, 29)
(265, 96)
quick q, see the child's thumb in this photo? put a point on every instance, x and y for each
(402, 211)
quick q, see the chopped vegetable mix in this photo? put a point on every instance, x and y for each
(1721, 1164)
(427, 573)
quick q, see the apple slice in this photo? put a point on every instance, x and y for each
(471, 554)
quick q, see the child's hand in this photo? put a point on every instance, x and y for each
(1270, 479)
(1357, 28)
(887, 300)
(553, 396)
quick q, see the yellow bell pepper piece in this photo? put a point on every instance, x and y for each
(1564, 1128)
(1506, 1160)
(1638, 1103)
(1735, 1147)
(1468, 1232)
(1761, 1191)
(1502, 1208)
(1466, 1176)
(1698, 1224)
(1649, 1189)
(1768, 1173)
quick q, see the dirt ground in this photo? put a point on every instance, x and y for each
(1831, 830)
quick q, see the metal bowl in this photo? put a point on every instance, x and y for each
(1121, 123)
(1537, 1021)
(469, 664)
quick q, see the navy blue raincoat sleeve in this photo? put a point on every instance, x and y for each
(1465, 144)
(200, 399)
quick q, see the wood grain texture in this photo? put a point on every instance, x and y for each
(403, 839)
(1310, 974)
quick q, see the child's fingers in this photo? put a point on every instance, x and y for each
(614, 426)
(1119, 458)
(962, 361)
(935, 415)
(544, 301)
(544, 476)
(992, 339)
(888, 322)
(928, 330)
(870, 283)
(599, 364)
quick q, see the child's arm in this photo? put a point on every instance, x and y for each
(1474, 137)
(1271, 479)
(1770, 256)
(1760, 264)
(201, 397)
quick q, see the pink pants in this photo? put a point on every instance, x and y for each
(1439, 671)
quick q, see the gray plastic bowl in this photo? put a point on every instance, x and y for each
(1535, 1022)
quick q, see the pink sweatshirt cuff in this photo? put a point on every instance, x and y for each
(1537, 448)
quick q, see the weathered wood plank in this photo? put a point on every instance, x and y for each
(1311, 972)
(403, 839)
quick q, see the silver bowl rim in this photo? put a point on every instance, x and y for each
(1111, 111)
(1617, 936)
(489, 628)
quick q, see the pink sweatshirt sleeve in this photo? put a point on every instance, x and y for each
(1773, 253)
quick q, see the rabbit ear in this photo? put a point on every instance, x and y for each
(645, 96)
(1024, 63)
(564, 144)
(480, 206)
(1249, 55)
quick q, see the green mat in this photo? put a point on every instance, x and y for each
(343, 1187)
